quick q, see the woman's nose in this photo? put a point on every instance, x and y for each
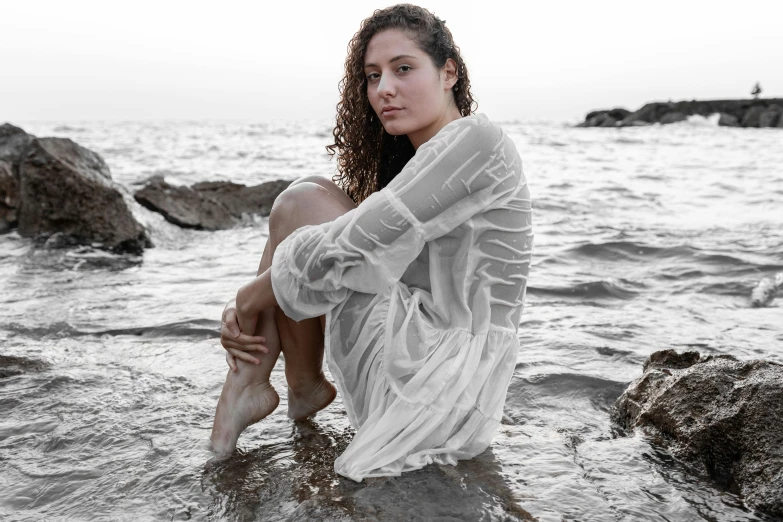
(386, 86)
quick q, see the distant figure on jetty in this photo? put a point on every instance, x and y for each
(756, 90)
(408, 276)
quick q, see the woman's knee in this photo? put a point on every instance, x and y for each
(304, 203)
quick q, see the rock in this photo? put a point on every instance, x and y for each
(185, 206)
(604, 118)
(673, 117)
(240, 199)
(771, 116)
(718, 411)
(66, 188)
(212, 205)
(9, 197)
(728, 120)
(752, 116)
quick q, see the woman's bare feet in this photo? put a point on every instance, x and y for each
(240, 405)
(310, 398)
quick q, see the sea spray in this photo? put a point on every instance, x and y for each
(766, 290)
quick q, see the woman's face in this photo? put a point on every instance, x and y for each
(405, 89)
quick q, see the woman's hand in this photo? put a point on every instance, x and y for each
(236, 343)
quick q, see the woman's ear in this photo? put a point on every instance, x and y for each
(450, 73)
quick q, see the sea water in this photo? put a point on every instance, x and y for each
(645, 239)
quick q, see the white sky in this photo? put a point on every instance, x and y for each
(261, 60)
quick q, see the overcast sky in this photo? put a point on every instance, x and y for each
(79, 60)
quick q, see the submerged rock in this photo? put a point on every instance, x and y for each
(11, 366)
(67, 188)
(209, 205)
(719, 411)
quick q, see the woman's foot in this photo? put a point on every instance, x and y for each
(240, 405)
(310, 398)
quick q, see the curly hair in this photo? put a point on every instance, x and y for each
(368, 157)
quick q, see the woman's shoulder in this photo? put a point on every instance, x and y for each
(474, 130)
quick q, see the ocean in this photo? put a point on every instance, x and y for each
(646, 238)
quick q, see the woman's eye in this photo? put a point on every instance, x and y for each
(406, 67)
(372, 76)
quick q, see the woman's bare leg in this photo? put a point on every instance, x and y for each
(247, 395)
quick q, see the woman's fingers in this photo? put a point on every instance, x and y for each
(254, 347)
(232, 363)
(239, 354)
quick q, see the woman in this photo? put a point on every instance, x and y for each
(416, 294)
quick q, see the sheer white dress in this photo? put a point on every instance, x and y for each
(422, 286)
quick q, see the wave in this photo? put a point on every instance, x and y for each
(628, 250)
(196, 328)
(592, 290)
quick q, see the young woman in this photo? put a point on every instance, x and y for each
(416, 293)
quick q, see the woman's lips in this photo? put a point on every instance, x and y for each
(389, 112)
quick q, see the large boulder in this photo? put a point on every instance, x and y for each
(66, 188)
(13, 142)
(719, 411)
(771, 116)
(604, 118)
(213, 205)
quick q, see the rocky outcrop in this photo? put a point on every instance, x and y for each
(54, 186)
(209, 205)
(719, 411)
(746, 113)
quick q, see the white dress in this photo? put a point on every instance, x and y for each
(422, 286)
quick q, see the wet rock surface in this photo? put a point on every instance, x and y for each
(718, 411)
(208, 205)
(733, 113)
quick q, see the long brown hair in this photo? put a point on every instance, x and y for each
(368, 157)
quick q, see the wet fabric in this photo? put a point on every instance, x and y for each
(422, 286)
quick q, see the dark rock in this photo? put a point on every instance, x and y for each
(616, 113)
(67, 188)
(212, 205)
(9, 197)
(728, 120)
(718, 411)
(240, 199)
(752, 116)
(673, 117)
(771, 116)
(185, 206)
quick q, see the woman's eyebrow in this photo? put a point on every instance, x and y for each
(400, 57)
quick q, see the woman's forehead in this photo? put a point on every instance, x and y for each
(388, 44)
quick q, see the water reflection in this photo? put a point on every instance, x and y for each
(295, 479)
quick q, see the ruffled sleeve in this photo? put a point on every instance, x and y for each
(465, 169)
